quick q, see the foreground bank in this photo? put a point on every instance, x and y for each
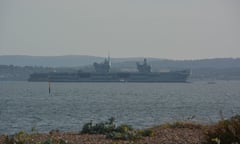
(161, 135)
(225, 131)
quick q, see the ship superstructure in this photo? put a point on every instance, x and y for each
(143, 68)
(102, 67)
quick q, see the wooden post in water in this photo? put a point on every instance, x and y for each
(49, 87)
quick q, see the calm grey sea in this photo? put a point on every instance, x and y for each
(24, 105)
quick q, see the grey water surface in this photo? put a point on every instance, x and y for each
(24, 105)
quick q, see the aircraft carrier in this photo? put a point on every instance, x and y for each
(102, 73)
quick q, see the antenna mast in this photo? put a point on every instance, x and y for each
(109, 59)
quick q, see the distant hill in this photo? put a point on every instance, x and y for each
(82, 60)
(20, 67)
(48, 61)
(58, 61)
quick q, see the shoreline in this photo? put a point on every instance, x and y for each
(176, 133)
(179, 132)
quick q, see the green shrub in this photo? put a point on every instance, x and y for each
(25, 138)
(129, 135)
(99, 128)
(19, 138)
(146, 133)
(225, 131)
(124, 128)
(54, 141)
(122, 132)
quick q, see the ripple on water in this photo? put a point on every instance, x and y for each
(25, 105)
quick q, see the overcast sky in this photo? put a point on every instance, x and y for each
(173, 29)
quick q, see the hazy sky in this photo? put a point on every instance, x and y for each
(174, 29)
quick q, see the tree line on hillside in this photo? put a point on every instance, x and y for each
(22, 73)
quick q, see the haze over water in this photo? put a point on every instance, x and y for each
(186, 29)
(25, 105)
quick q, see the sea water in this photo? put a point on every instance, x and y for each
(27, 105)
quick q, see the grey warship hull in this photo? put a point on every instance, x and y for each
(171, 76)
(103, 74)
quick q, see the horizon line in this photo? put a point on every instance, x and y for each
(128, 57)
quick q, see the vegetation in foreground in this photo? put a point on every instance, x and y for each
(109, 128)
(224, 132)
